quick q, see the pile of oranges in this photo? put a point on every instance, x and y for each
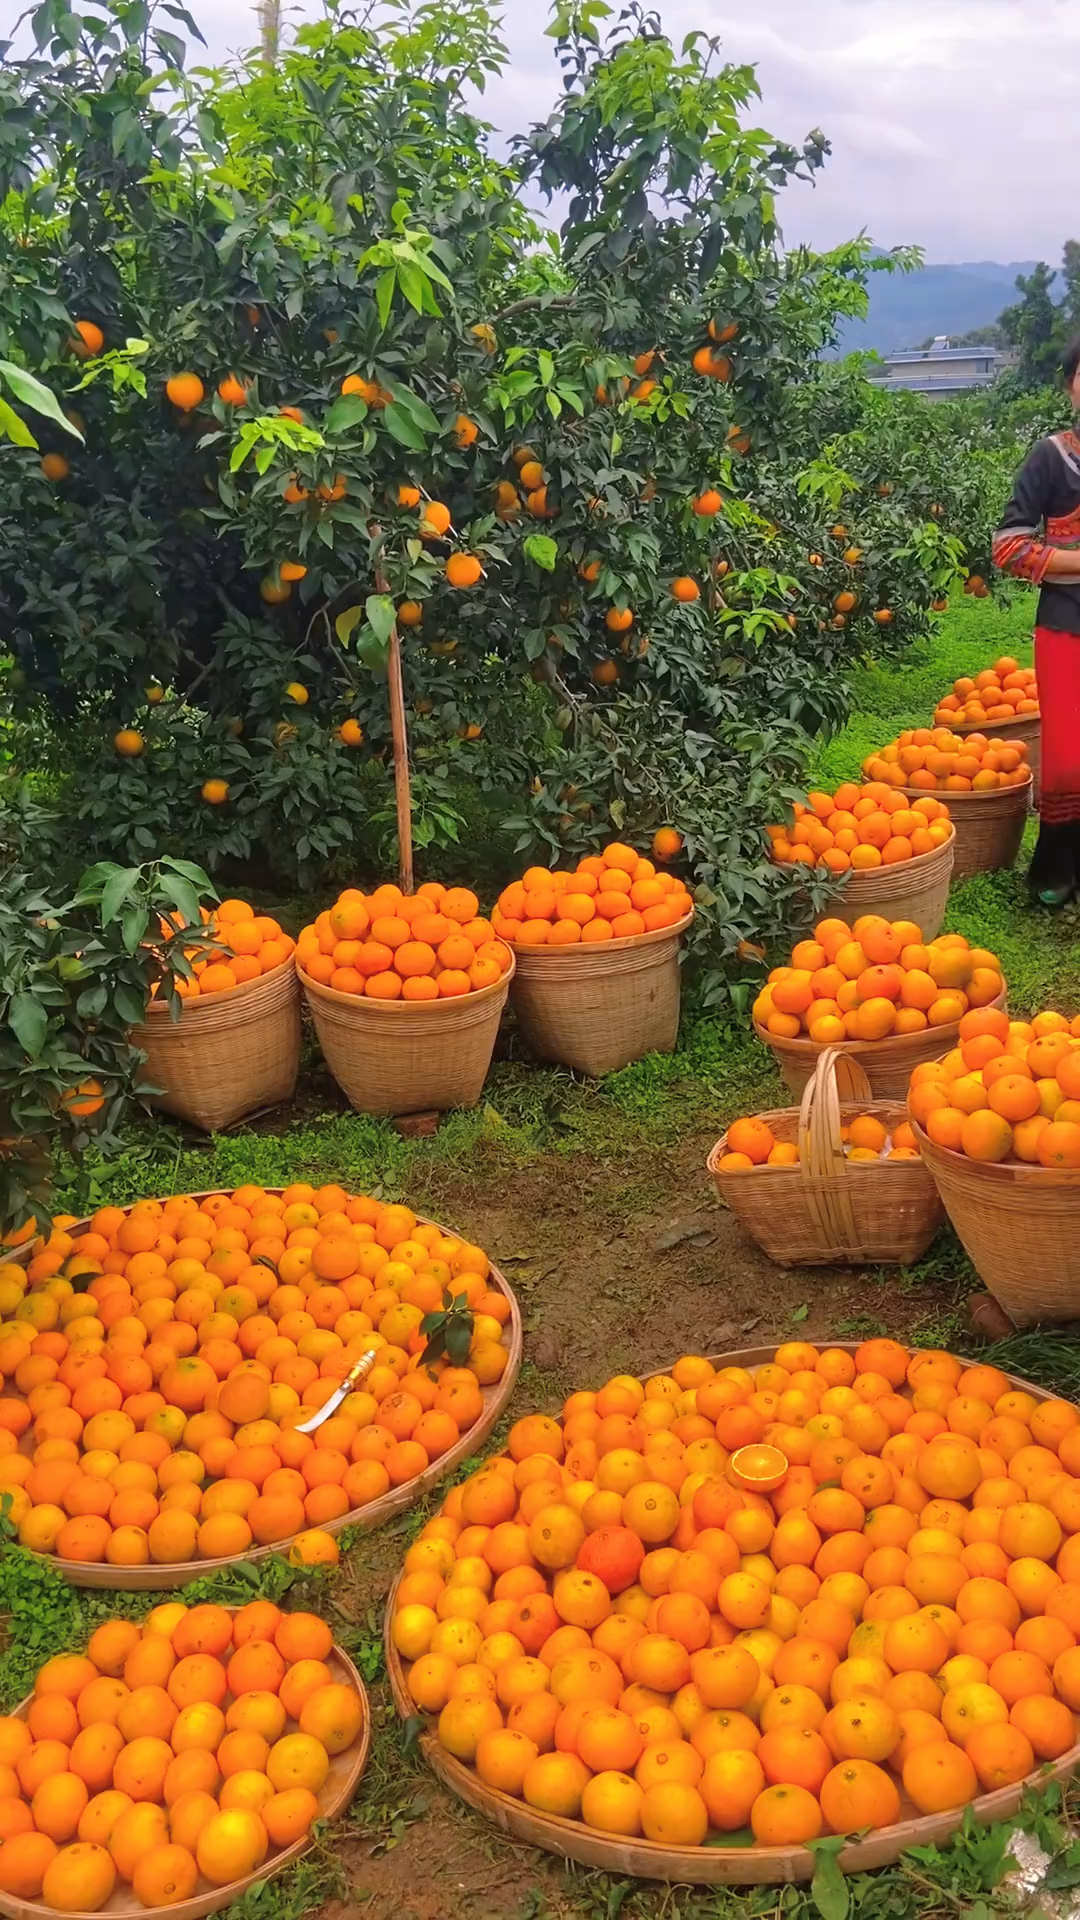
(1006, 1091)
(246, 945)
(614, 895)
(752, 1143)
(175, 1756)
(430, 945)
(1000, 692)
(875, 978)
(935, 758)
(781, 1598)
(157, 1366)
(860, 827)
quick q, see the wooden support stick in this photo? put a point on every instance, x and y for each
(400, 739)
(402, 793)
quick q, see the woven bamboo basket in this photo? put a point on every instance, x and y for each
(726, 1860)
(989, 827)
(155, 1576)
(408, 1056)
(829, 1209)
(227, 1056)
(915, 890)
(596, 1008)
(1026, 727)
(887, 1063)
(1020, 1227)
(336, 1793)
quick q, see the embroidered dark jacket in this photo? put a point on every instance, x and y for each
(1043, 513)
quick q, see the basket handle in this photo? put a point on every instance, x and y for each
(823, 1163)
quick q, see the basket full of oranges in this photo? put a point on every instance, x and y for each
(894, 853)
(1003, 698)
(235, 1048)
(838, 1179)
(597, 982)
(877, 991)
(998, 1121)
(406, 992)
(984, 779)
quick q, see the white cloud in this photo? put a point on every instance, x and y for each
(952, 121)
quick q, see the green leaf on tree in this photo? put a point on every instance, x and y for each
(542, 550)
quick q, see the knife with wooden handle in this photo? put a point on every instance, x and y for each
(352, 1380)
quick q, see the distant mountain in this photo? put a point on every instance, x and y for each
(908, 308)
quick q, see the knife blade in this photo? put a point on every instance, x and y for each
(352, 1380)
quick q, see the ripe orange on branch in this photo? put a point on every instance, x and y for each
(714, 366)
(88, 339)
(185, 390)
(463, 569)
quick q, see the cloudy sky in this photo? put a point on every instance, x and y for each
(953, 122)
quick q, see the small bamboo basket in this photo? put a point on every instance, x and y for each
(1019, 1225)
(228, 1055)
(408, 1056)
(989, 827)
(916, 889)
(888, 1063)
(829, 1209)
(1025, 728)
(596, 1008)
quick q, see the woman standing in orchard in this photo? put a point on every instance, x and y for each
(1039, 540)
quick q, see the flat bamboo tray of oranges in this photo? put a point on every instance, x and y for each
(703, 1619)
(177, 1762)
(160, 1364)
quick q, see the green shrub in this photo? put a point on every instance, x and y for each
(75, 976)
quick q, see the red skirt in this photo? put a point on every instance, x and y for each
(1057, 669)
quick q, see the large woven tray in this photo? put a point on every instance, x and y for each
(712, 1865)
(346, 1770)
(176, 1573)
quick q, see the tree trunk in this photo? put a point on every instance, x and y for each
(268, 13)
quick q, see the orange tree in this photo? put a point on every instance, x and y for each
(75, 975)
(344, 402)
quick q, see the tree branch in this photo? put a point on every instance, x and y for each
(532, 302)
